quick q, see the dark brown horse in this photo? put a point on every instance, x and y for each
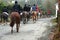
(15, 18)
(25, 17)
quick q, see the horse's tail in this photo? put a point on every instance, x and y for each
(12, 24)
(12, 21)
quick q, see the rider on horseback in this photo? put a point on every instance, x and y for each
(26, 13)
(5, 13)
(34, 7)
(34, 13)
(26, 8)
(17, 7)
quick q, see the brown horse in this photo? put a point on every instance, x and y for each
(34, 15)
(15, 18)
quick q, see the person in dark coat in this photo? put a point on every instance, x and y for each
(5, 9)
(29, 8)
(17, 7)
(25, 7)
(5, 13)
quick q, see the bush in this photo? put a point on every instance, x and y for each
(1, 6)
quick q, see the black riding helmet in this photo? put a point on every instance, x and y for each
(16, 2)
(34, 5)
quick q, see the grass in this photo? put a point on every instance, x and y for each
(54, 21)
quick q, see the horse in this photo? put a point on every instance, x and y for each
(4, 17)
(15, 19)
(25, 17)
(34, 16)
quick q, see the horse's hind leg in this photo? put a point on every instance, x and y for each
(33, 18)
(36, 17)
(12, 24)
(11, 29)
(17, 27)
(24, 20)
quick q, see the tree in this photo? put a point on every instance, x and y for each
(57, 35)
(1, 6)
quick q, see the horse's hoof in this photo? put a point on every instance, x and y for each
(11, 31)
(23, 23)
(17, 31)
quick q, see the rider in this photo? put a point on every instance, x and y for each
(37, 8)
(34, 7)
(27, 10)
(48, 12)
(5, 13)
(17, 7)
(25, 7)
